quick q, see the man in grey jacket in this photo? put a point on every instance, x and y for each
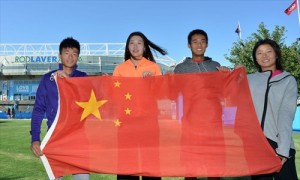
(198, 42)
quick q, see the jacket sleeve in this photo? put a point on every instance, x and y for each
(286, 116)
(38, 112)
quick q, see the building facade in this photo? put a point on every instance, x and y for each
(22, 66)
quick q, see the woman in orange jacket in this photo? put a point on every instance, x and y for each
(139, 62)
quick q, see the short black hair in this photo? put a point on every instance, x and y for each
(69, 42)
(197, 31)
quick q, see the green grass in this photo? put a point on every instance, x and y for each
(17, 161)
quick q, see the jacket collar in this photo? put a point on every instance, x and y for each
(206, 58)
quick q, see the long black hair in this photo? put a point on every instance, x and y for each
(275, 47)
(147, 43)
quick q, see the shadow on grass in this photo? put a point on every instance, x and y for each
(10, 177)
(3, 121)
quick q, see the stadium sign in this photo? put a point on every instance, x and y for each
(37, 59)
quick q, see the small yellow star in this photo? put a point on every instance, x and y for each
(117, 84)
(127, 111)
(128, 96)
(117, 123)
(91, 107)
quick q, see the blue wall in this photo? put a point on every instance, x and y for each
(296, 124)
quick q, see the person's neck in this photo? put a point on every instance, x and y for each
(136, 61)
(269, 69)
(67, 70)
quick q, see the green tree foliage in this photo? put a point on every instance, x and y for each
(241, 52)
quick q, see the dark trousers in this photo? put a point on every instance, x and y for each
(127, 177)
(288, 170)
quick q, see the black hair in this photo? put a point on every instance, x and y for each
(197, 31)
(69, 42)
(147, 43)
(275, 47)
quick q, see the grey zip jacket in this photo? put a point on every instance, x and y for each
(275, 101)
(190, 66)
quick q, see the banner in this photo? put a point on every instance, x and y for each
(198, 125)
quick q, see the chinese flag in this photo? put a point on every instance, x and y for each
(201, 124)
(291, 8)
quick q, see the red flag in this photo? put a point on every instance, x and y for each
(291, 8)
(201, 124)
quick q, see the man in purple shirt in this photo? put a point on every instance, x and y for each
(47, 94)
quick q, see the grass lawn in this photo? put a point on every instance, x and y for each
(17, 161)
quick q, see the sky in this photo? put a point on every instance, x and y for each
(164, 22)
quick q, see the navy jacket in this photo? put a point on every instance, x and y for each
(47, 102)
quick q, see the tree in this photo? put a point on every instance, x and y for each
(241, 52)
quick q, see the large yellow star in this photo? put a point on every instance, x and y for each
(91, 107)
